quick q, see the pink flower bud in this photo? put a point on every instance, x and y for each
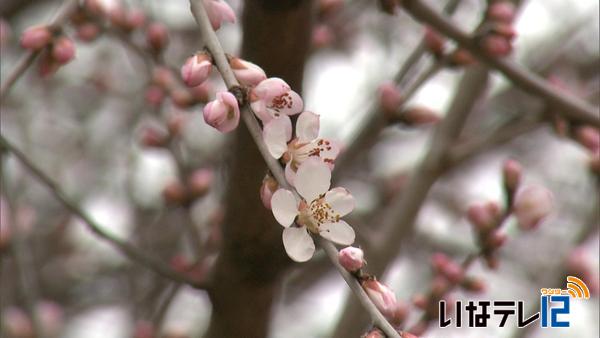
(175, 193)
(502, 11)
(63, 50)
(200, 182)
(175, 123)
(144, 329)
(496, 45)
(117, 17)
(153, 137)
(472, 284)
(532, 205)
(434, 41)
(462, 57)
(322, 36)
(218, 12)
(382, 296)
(400, 314)
(247, 73)
(267, 189)
(202, 92)
(223, 113)
(481, 217)
(94, 7)
(374, 333)
(505, 30)
(182, 98)
(196, 69)
(157, 36)
(36, 38)
(135, 18)
(163, 77)
(589, 137)
(17, 323)
(154, 95)
(511, 174)
(418, 116)
(87, 32)
(447, 267)
(495, 240)
(351, 258)
(390, 98)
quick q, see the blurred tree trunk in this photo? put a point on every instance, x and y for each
(247, 273)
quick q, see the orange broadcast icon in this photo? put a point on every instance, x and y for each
(577, 288)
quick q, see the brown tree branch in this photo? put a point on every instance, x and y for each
(571, 107)
(123, 247)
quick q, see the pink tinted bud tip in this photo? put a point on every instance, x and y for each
(267, 189)
(196, 69)
(247, 73)
(502, 11)
(533, 204)
(322, 36)
(511, 173)
(589, 137)
(351, 258)
(201, 181)
(157, 36)
(36, 38)
(223, 113)
(390, 98)
(218, 12)
(63, 50)
(382, 296)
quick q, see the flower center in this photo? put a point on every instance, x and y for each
(299, 152)
(317, 213)
(282, 101)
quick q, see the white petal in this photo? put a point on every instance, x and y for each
(296, 106)
(307, 127)
(298, 244)
(340, 233)
(313, 178)
(276, 134)
(284, 207)
(290, 174)
(341, 201)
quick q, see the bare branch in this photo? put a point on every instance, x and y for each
(571, 107)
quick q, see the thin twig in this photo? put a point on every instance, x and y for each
(214, 46)
(27, 59)
(571, 107)
(122, 246)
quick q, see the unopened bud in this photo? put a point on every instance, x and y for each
(505, 30)
(135, 18)
(219, 12)
(511, 174)
(267, 189)
(144, 329)
(390, 98)
(462, 57)
(247, 73)
(481, 217)
(174, 193)
(200, 182)
(351, 258)
(182, 98)
(496, 45)
(419, 115)
(87, 32)
(223, 113)
(322, 36)
(154, 96)
(382, 296)
(495, 240)
(163, 77)
(400, 314)
(117, 17)
(447, 267)
(473, 284)
(157, 36)
(434, 42)
(374, 333)
(63, 50)
(196, 69)
(532, 205)
(501, 11)
(175, 123)
(589, 137)
(153, 137)
(36, 38)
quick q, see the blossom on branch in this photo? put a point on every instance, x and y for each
(272, 98)
(277, 135)
(218, 12)
(196, 69)
(247, 73)
(223, 113)
(318, 212)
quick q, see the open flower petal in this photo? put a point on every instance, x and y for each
(313, 178)
(284, 207)
(307, 127)
(341, 201)
(298, 244)
(276, 134)
(339, 232)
